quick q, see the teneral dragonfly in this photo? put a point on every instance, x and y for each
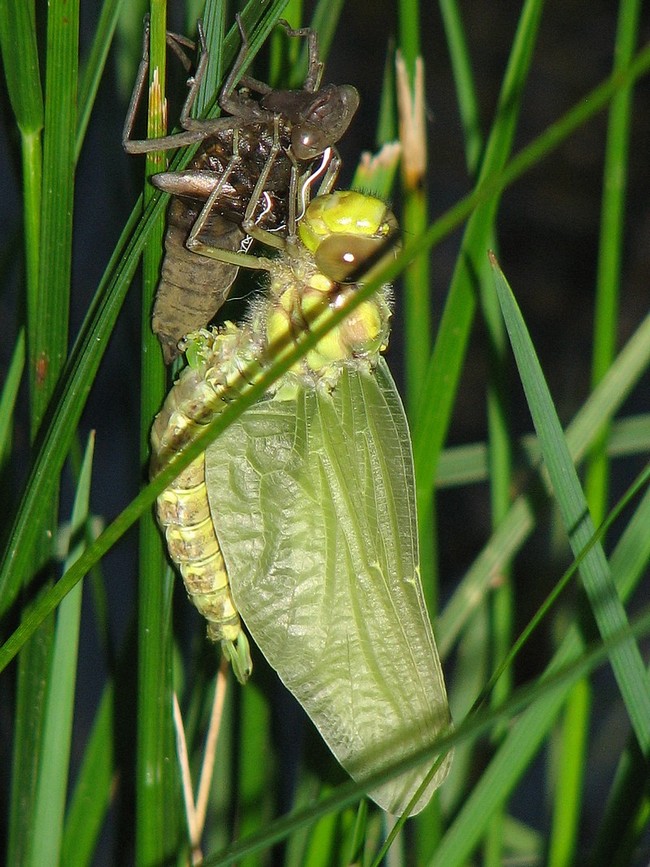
(300, 518)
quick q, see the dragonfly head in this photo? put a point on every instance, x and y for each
(324, 121)
(346, 231)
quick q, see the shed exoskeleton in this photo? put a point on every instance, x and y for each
(249, 166)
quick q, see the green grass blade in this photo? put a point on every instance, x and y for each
(416, 279)
(28, 733)
(47, 333)
(9, 395)
(257, 777)
(416, 297)
(463, 79)
(409, 31)
(48, 311)
(386, 131)
(568, 801)
(629, 788)
(629, 559)
(606, 605)
(214, 23)
(437, 396)
(158, 828)
(427, 430)
(572, 748)
(53, 776)
(610, 250)
(325, 19)
(20, 58)
(93, 789)
(56, 440)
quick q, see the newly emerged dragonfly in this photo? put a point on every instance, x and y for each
(249, 166)
(300, 517)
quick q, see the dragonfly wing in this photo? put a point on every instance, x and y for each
(314, 506)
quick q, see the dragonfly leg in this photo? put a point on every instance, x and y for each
(194, 130)
(130, 145)
(194, 242)
(250, 225)
(238, 106)
(178, 43)
(231, 99)
(315, 65)
(194, 82)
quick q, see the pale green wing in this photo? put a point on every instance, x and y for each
(314, 507)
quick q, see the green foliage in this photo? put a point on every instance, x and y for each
(536, 517)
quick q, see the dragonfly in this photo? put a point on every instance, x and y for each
(300, 519)
(249, 166)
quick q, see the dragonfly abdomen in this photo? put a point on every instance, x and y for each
(184, 513)
(183, 510)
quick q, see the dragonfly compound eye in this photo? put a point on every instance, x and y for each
(342, 257)
(308, 141)
(324, 121)
(345, 231)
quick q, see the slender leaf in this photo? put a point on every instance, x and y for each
(53, 777)
(605, 603)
